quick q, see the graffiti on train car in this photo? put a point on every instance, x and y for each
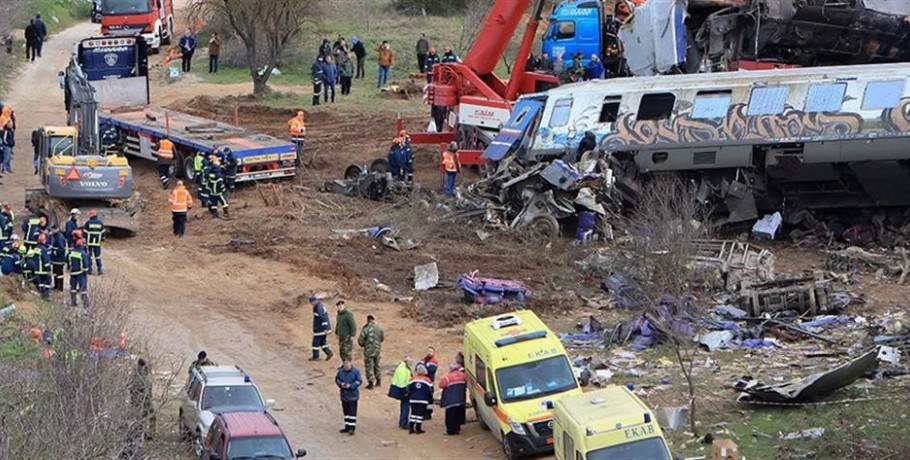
(790, 126)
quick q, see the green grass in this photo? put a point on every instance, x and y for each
(66, 12)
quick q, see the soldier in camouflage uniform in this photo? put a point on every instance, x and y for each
(345, 329)
(370, 339)
(140, 388)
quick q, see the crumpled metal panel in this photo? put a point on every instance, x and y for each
(655, 37)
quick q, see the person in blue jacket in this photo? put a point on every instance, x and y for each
(187, 48)
(94, 231)
(420, 395)
(57, 243)
(595, 69)
(72, 224)
(78, 262)
(330, 78)
(11, 256)
(349, 380)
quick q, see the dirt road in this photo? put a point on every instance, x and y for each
(194, 293)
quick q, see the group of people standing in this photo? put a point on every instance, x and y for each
(335, 65)
(45, 250)
(412, 384)
(427, 56)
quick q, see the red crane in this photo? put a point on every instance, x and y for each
(468, 101)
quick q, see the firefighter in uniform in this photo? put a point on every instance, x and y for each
(214, 178)
(11, 256)
(165, 160)
(345, 329)
(38, 259)
(109, 139)
(370, 339)
(71, 225)
(94, 233)
(420, 395)
(298, 131)
(57, 243)
(5, 230)
(321, 330)
(78, 262)
(230, 169)
(431, 364)
(199, 165)
(31, 228)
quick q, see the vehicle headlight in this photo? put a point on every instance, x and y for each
(517, 428)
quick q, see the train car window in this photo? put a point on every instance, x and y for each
(657, 106)
(561, 110)
(610, 110)
(768, 100)
(565, 30)
(883, 94)
(825, 97)
(710, 105)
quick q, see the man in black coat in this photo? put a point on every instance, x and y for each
(41, 29)
(31, 40)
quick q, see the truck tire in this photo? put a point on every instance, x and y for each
(183, 430)
(380, 165)
(189, 168)
(507, 449)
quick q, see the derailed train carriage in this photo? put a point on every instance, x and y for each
(811, 138)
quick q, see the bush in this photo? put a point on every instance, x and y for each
(433, 7)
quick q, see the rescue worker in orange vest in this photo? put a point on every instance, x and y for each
(451, 166)
(181, 201)
(165, 160)
(298, 133)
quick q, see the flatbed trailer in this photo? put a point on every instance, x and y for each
(259, 156)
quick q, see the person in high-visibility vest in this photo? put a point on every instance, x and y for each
(298, 133)
(181, 201)
(78, 262)
(451, 166)
(214, 179)
(165, 160)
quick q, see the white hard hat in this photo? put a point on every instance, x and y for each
(75, 211)
(14, 237)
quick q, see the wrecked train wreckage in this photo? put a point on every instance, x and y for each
(781, 140)
(688, 36)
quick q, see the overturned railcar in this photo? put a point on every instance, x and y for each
(810, 138)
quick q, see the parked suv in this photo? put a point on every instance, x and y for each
(247, 435)
(213, 390)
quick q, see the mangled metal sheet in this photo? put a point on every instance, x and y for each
(811, 388)
(655, 37)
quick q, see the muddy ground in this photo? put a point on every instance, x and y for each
(243, 302)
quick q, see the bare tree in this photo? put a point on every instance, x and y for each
(475, 13)
(266, 28)
(663, 229)
(74, 396)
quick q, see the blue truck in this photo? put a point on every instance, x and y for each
(117, 69)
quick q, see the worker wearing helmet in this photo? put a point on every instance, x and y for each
(94, 232)
(180, 201)
(451, 166)
(56, 243)
(78, 262)
(298, 129)
(72, 224)
(214, 177)
(394, 158)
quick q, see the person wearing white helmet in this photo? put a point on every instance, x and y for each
(71, 225)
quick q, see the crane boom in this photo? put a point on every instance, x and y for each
(500, 24)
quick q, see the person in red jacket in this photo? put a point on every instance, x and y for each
(454, 389)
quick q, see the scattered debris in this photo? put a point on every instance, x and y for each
(803, 295)
(672, 418)
(809, 433)
(375, 183)
(426, 276)
(490, 290)
(7, 310)
(724, 449)
(766, 227)
(716, 340)
(726, 264)
(853, 258)
(807, 389)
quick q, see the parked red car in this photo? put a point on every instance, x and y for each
(247, 435)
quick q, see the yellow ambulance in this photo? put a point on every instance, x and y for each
(517, 369)
(611, 423)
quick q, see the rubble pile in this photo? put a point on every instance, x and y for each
(541, 196)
